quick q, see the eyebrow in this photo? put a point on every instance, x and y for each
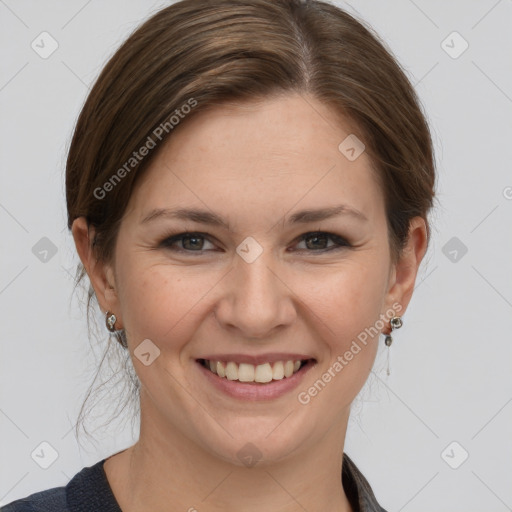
(210, 218)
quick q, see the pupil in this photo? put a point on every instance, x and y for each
(316, 238)
(195, 238)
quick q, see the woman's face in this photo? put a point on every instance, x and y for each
(250, 289)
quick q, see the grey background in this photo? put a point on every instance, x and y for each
(451, 362)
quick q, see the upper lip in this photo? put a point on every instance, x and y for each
(257, 359)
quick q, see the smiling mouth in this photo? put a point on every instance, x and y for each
(262, 373)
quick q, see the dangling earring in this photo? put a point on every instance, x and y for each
(394, 323)
(110, 320)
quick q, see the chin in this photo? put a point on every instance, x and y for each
(255, 441)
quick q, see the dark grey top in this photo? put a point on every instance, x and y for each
(89, 491)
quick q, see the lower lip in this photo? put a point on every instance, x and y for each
(254, 390)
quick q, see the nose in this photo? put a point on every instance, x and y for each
(255, 300)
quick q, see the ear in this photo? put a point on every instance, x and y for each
(100, 274)
(403, 273)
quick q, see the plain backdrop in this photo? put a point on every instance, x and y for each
(434, 435)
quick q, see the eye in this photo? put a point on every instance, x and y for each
(194, 242)
(319, 238)
(191, 242)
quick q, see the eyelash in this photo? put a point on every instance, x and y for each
(171, 239)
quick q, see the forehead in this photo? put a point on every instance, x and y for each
(262, 158)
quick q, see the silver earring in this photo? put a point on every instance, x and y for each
(110, 320)
(395, 323)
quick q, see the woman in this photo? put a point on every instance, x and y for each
(248, 187)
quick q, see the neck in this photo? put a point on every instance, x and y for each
(167, 468)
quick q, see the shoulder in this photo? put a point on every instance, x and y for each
(357, 488)
(87, 490)
(50, 500)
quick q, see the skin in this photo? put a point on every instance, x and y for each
(269, 159)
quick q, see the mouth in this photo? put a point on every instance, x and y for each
(261, 374)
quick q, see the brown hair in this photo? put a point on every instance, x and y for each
(202, 54)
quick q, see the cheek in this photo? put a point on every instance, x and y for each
(160, 302)
(347, 298)
(347, 306)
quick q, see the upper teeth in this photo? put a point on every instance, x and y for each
(249, 373)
